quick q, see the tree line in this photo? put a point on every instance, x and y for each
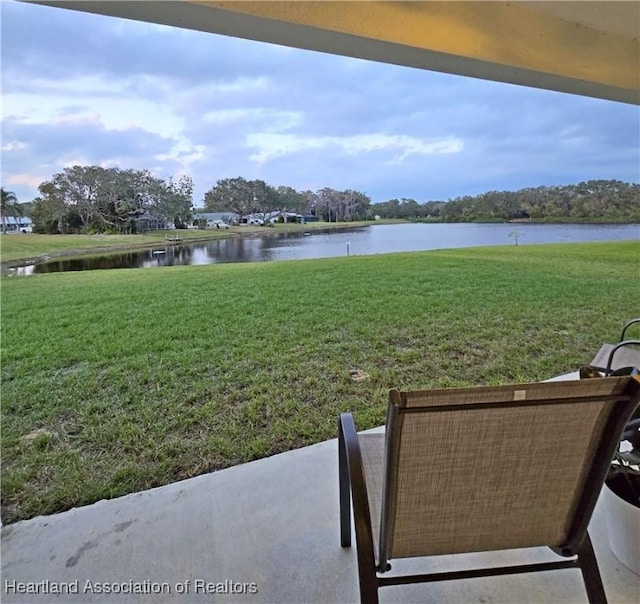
(593, 200)
(92, 199)
(247, 197)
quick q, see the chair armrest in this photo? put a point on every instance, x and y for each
(616, 348)
(350, 463)
(624, 329)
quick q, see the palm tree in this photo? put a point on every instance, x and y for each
(9, 206)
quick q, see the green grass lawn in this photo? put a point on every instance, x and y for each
(116, 381)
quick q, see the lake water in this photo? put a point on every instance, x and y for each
(374, 239)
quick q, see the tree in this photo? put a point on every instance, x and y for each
(125, 197)
(78, 188)
(48, 215)
(327, 201)
(405, 208)
(9, 206)
(388, 209)
(432, 209)
(96, 199)
(230, 194)
(355, 205)
(591, 201)
(401, 208)
(241, 196)
(178, 202)
(290, 200)
(265, 199)
(338, 206)
(77, 191)
(312, 201)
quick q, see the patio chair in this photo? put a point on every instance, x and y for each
(481, 469)
(612, 357)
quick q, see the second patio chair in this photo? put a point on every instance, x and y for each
(481, 469)
(625, 353)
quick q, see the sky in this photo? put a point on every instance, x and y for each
(94, 90)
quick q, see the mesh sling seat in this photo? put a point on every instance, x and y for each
(481, 469)
(625, 353)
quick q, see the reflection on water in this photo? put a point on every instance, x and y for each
(374, 239)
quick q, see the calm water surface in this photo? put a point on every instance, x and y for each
(374, 239)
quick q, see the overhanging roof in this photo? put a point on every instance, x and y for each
(586, 48)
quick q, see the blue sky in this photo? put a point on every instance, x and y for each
(87, 89)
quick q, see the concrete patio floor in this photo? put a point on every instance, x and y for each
(273, 524)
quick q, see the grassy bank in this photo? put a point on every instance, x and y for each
(19, 247)
(122, 380)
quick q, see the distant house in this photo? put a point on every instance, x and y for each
(309, 218)
(253, 219)
(19, 224)
(286, 217)
(211, 218)
(293, 217)
(272, 217)
(146, 222)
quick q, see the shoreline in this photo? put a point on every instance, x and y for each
(213, 234)
(210, 235)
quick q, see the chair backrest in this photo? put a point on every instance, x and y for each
(486, 468)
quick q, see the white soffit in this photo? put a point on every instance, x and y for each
(585, 48)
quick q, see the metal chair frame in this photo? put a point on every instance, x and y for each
(622, 343)
(353, 489)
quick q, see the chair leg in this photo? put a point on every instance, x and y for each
(590, 572)
(353, 488)
(368, 586)
(345, 495)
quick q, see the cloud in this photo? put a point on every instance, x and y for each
(85, 87)
(39, 149)
(270, 119)
(396, 147)
(29, 180)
